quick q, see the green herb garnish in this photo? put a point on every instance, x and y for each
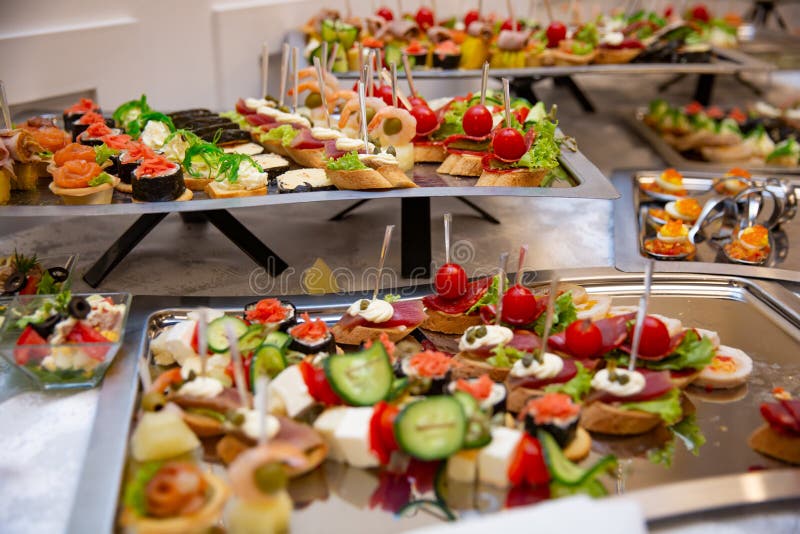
(103, 152)
(564, 314)
(135, 492)
(100, 179)
(348, 162)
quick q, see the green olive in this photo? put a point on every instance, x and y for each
(370, 114)
(270, 478)
(237, 418)
(313, 100)
(153, 401)
(392, 126)
(364, 304)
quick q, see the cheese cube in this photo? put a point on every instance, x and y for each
(291, 388)
(174, 344)
(326, 424)
(495, 459)
(352, 436)
(463, 466)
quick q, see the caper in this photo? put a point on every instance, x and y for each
(623, 379)
(392, 126)
(480, 331)
(270, 478)
(392, 151)
(153, 401)
(313, 100)
(364, 304)
(527, 359)
(192, 376)
(237, 418)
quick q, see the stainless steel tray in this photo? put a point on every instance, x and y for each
(759, 317)
(586, 181)
(673, 158)
(629, 227)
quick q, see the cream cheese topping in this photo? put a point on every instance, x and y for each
(251, 426)
(375, 311)
(348, 144)
(633, 383)
(494, 335)
(325, 134)
(291, 118)
(175, 149)
(614, 38)
(380, 159)
(155, 134)
(549, 367)
(249, 178)
(203, 387)
(269, 111)
(255, 103)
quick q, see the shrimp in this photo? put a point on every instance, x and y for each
(373, 105)
(341, 97)
(241, 471)
(311, 72)
(397, 126)
(313, 99)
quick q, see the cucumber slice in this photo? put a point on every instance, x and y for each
(399, 386)
(362, 378)
(218, 335)
(431, 429)
(328, 30)
(563, 470)
(478, 424)
(268, 360)
(393, 54)
(252, 339)
(347, 35)
(278, 339)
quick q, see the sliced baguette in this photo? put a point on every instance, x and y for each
(276, 147)
(518, 178)
(214, 191)
(449, 324)
(775, 445)
(196, 184)
(472, 368)
(360, 334)
(462, 165)
(609, 56)
(727, 154)
(682, 382)
(429, 153)
(606, 418)
(395, 176)
(308, 157)
(358, 180)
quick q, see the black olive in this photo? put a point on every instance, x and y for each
(59, 274)
(79, 308)
(14, 283)
(45, 328)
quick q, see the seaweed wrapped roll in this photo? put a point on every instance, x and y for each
(157, 179)
(554, 413)
(312, 336)
(274, 313)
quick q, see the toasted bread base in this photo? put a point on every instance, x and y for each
(359, 334)
(213, 191)
(580, 446)
(518, 397)
(462, 165)
(199, 521)
(230, 447)
(276, 147)
(449, 324)
(605, 418)
(83, 196)
(395, 176)
(122, 187)
(607, 56)
(518, 178)
(429, 153)
(564, 59)
(196, 184)
(727, 154)
(682, 382)
(775, 445)
(358, 180)
(203, 426)
(471, 368)
(308, 157)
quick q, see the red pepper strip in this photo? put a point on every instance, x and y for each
(528, 464)
(317, 384)
(29, 336)
(247, 361)
(393, 492)
(381, 431)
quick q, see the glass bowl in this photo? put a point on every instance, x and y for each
(56, 366)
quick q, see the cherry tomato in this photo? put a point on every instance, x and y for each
(427, 121)
(700, 12)
(425, 18)
(382, 441)
(519, 306)
(584, 339)
(556, 32)
(471, 17)
(317, 384)
(477, 121)
(29, 336)
(385, 92)
(509, 144)
(668, 11)
(386, 13)
(450, 281)
(509, 24)
(655, 337)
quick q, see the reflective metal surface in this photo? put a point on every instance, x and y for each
(631, 225)
(761, 318)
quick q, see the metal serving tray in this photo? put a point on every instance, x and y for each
(630, 225)
(585, 181)
(761, 318)
(674, 158)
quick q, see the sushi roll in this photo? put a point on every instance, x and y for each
(94, 133)
(226, 137)
(86, 120)
(78, 110)
(157, 179)
(554, 413)
(188, 114)
(273, 164)
(276, 314)
(490, 395)
(446, 55)
(312, 336)
(428, 372)
(304, 180)
(128, 161)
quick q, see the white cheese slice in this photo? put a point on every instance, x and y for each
(174, 345)
(463, 466)
(270, 161)
(495, 458)
(352, 436)
(250, 149)
(290, 180)
(326, 424)
(291, 388)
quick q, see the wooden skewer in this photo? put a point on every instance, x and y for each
(394, 84)
(296, 75)
(6, 114)
(387, 237)
(448, 220)
(523, 251)
(332, 57)
(484, 82)
(362, 105)
(324, 55)
(409, 76)
(551, 305)
(549, 9)
(322, 87)
(387, 78)
(262, 398)
(510, 9)
(202, 340)
(284, 72)
(507, 102)
(501, 288)
(264, 68)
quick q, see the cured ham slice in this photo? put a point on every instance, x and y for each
(783, 416)
(656, 385)
(257, 119)
(242, 108)
(21, 145)
(475, 290)
(408, 313)
(567, 373)
(298, 435)
(305, 141)
(224, 402)
(481, 144)
(613, 329)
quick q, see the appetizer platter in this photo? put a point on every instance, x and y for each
(746, 227)
(742, 379)
(759, 137)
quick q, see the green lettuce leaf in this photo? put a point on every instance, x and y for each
(44, 155)
(577, 387)
(787, 147)
(283, 133)
(490, 297)
(545, 150)
(451, 122)
(135, 497)
(130, 111)
(504, 357)
(102, 178)
(103, 152)
(689, 432)
(668, 406)
(692, 353)
(391, 298)
(348, 162)
(47, 285)
(564, 314)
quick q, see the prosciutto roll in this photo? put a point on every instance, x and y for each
(21, 145)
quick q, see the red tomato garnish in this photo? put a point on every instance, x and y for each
(584, 339)
(317, 384)
(480, 388)
(450, 281)
(471, 17)
(432, 364)
(31, 285)
(556, 32)
(385, 92)
(655, 337)
(425, 18)
(382, 441)
(509, 24)
(29, 336)
(694, 108)
(509, 145)
(700, 12)
(528, 465)
(477, 121)
(247, 362)
(427, 121)
(520, 307)
(521, 114)
(311, 329)
(386, 13)
(83, 333)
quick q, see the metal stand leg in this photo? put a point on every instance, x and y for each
(523, 88)
(669, 83)
(342, 214)
(705, 88)
(193, 217)
(577, 92)
(246, 241)
(415, 237)
(485, 215)
(754, 88)
(121, 247)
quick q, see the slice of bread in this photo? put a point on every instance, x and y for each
(462, 165)
(775, 445)
(609, 56)
(359, 334)
(580, 446)
(473, 368)
(449, 324)
(429, 153)
(358, 180)
(213, 190)
(276, 147)
(727, 154)
(308, 157)
(518, 178)
(606, 418)
(196, 184)
(395, 176)
(682, 382)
